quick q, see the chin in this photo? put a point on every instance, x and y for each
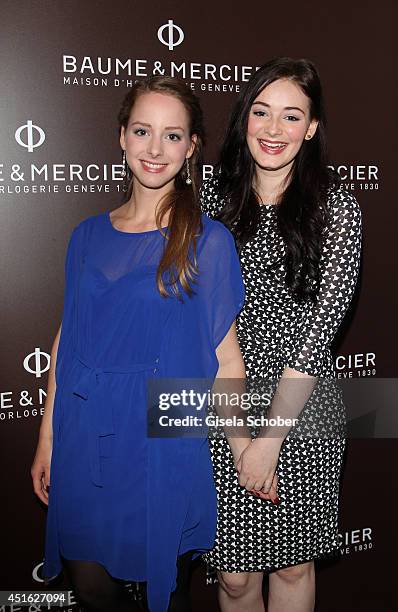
(154, 182)
(273, 164)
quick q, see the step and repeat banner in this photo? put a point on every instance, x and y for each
(65, 66)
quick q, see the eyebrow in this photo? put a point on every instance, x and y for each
(286, 107)
(170, 127)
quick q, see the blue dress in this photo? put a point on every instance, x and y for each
(118, 497)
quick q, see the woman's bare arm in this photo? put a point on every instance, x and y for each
(231, 379)
(40, 470)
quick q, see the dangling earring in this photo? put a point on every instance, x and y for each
(188, 179)
(124, 171)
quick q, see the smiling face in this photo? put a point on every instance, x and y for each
(279, 121)
(157, 139)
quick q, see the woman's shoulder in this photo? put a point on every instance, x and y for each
(343, 206)
(89, 223)
(83, 230)
(215, 233)
(344, 212)
(210, 196)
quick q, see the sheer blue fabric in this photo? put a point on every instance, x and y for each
(130, 502)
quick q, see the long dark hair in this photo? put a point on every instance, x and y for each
(178, 263)
(302, 207)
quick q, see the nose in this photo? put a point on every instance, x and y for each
(273, 127)
(154, 146)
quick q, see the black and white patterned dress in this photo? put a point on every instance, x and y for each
(275, 332)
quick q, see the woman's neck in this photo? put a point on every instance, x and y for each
(141, 207)
(270, 184)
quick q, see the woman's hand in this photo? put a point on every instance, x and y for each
(40, 470)
(257, 467)
(238, 446)
(273, 492)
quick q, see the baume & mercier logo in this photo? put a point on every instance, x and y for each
(356, 365)
(47, 177)
(37, 362)
(168, 39)
(356, 540)
(358, 177)
(30, 136)
(19, 404)
(98, 71)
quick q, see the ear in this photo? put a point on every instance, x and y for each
(312, 128)
(194, 140)
(122, 139)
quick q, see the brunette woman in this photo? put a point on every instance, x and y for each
(298, 235)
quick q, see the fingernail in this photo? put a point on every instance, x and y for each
(276, 501)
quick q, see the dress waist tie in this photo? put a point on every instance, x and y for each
(88, 389)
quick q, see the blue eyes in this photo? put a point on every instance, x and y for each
(173, 137)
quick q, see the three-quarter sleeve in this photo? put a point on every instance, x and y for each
(339, 266)
(220, 280)
(73, 263)
(70, 266)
